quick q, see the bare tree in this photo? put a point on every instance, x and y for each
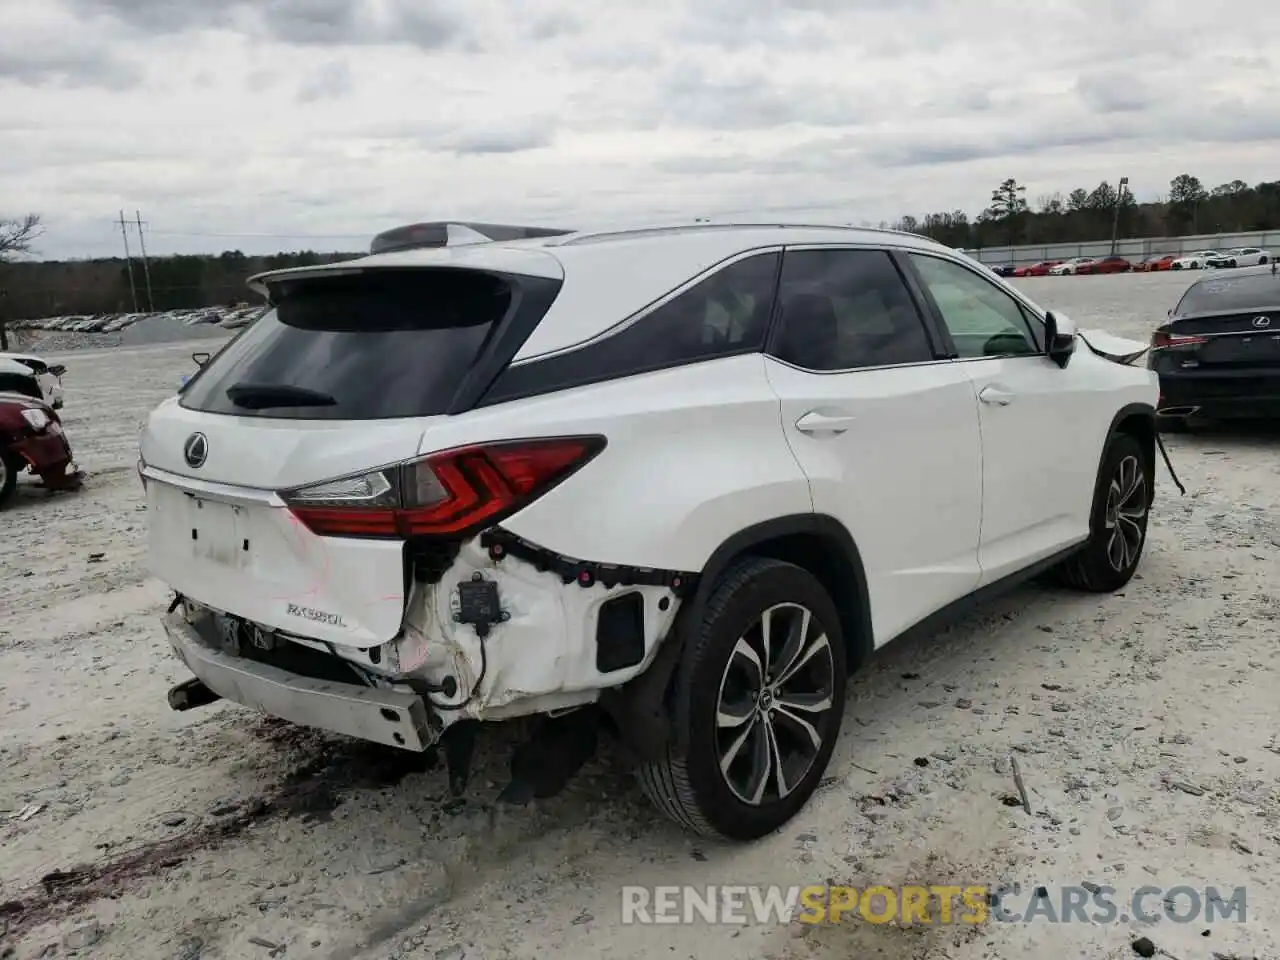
(16, 237)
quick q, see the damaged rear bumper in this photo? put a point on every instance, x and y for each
(396, 718)
(49, 456)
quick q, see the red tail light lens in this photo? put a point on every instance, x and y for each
(1160, 340)
(447, 494)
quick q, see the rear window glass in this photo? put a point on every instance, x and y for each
(368, 346)
(1231, 294)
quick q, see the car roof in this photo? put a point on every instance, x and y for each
(527, 254)
(10, 365)
(624, 270)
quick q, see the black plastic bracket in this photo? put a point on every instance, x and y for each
(586, 573)
(479, 604)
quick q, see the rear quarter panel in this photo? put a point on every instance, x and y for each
(694, 455)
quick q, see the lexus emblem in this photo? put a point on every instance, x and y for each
(196, 450)
(1261, 322)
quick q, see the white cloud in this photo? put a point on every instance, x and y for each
(317, 123)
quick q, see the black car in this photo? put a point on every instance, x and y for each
(1218, 356)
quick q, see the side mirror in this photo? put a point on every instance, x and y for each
(200, 358)
(1059, 339)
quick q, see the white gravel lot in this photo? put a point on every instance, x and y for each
(1145, 725)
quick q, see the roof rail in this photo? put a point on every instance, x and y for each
(449, 233)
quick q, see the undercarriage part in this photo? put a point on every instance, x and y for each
(639, 707)
(542, 766)
(459, 743)
(620, 633)
(585, 573)
(191, 694)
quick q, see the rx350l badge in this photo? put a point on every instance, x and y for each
(196, 450)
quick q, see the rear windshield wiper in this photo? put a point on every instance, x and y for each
(262, 396)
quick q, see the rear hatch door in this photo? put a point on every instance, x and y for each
(1244, 339)
(343, 376)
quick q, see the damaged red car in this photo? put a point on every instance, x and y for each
(31, 438)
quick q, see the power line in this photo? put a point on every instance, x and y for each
(146, 267)
(124, 233)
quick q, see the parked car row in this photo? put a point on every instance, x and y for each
(230, 318)
(1083, 266)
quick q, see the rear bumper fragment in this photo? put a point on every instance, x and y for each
(1224, 395)
(391, 717)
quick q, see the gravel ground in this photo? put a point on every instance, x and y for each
(1145, 726)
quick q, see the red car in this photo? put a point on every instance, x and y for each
(1161, 261)
(1036, 269)
(31, 438)
(1106, 265)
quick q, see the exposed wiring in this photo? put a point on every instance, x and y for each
(1165, 453)
(484, 668)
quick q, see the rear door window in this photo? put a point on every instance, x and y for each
(375, 345)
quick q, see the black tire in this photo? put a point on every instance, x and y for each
(687, 784)
(1175, 266)
(1263, 261)
(1118, 523)
(10, 467)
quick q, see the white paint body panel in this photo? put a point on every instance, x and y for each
(941, 492)
(905, 478)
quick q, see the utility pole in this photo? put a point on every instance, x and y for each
(124, 232)
(1115, 224)
(146, 266)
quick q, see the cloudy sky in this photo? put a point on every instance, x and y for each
(316, 123)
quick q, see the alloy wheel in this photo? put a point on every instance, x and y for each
(1127, 505)
(774, 694)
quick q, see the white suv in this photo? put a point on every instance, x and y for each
(681, 481)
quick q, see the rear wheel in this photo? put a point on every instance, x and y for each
(758, 702)
(10, 467)
(1118, 524)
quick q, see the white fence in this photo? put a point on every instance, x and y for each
(1133, 250)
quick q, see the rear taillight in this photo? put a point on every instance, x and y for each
(451, 493)
(1162, 340)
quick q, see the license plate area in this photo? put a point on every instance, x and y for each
(218, 531)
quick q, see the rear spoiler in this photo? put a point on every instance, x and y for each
(434, 234)
(446, 233)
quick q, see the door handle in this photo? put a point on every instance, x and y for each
(815, 422)
(995, 395)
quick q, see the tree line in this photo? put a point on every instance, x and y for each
(1093, 214)
(32, 288)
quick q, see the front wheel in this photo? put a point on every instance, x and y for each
(1118, 524)
(758, 702)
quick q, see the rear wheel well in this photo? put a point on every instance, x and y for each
(1142, 427)
(835, 569)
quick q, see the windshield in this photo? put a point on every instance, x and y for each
(1259, 291)
(375, 345)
